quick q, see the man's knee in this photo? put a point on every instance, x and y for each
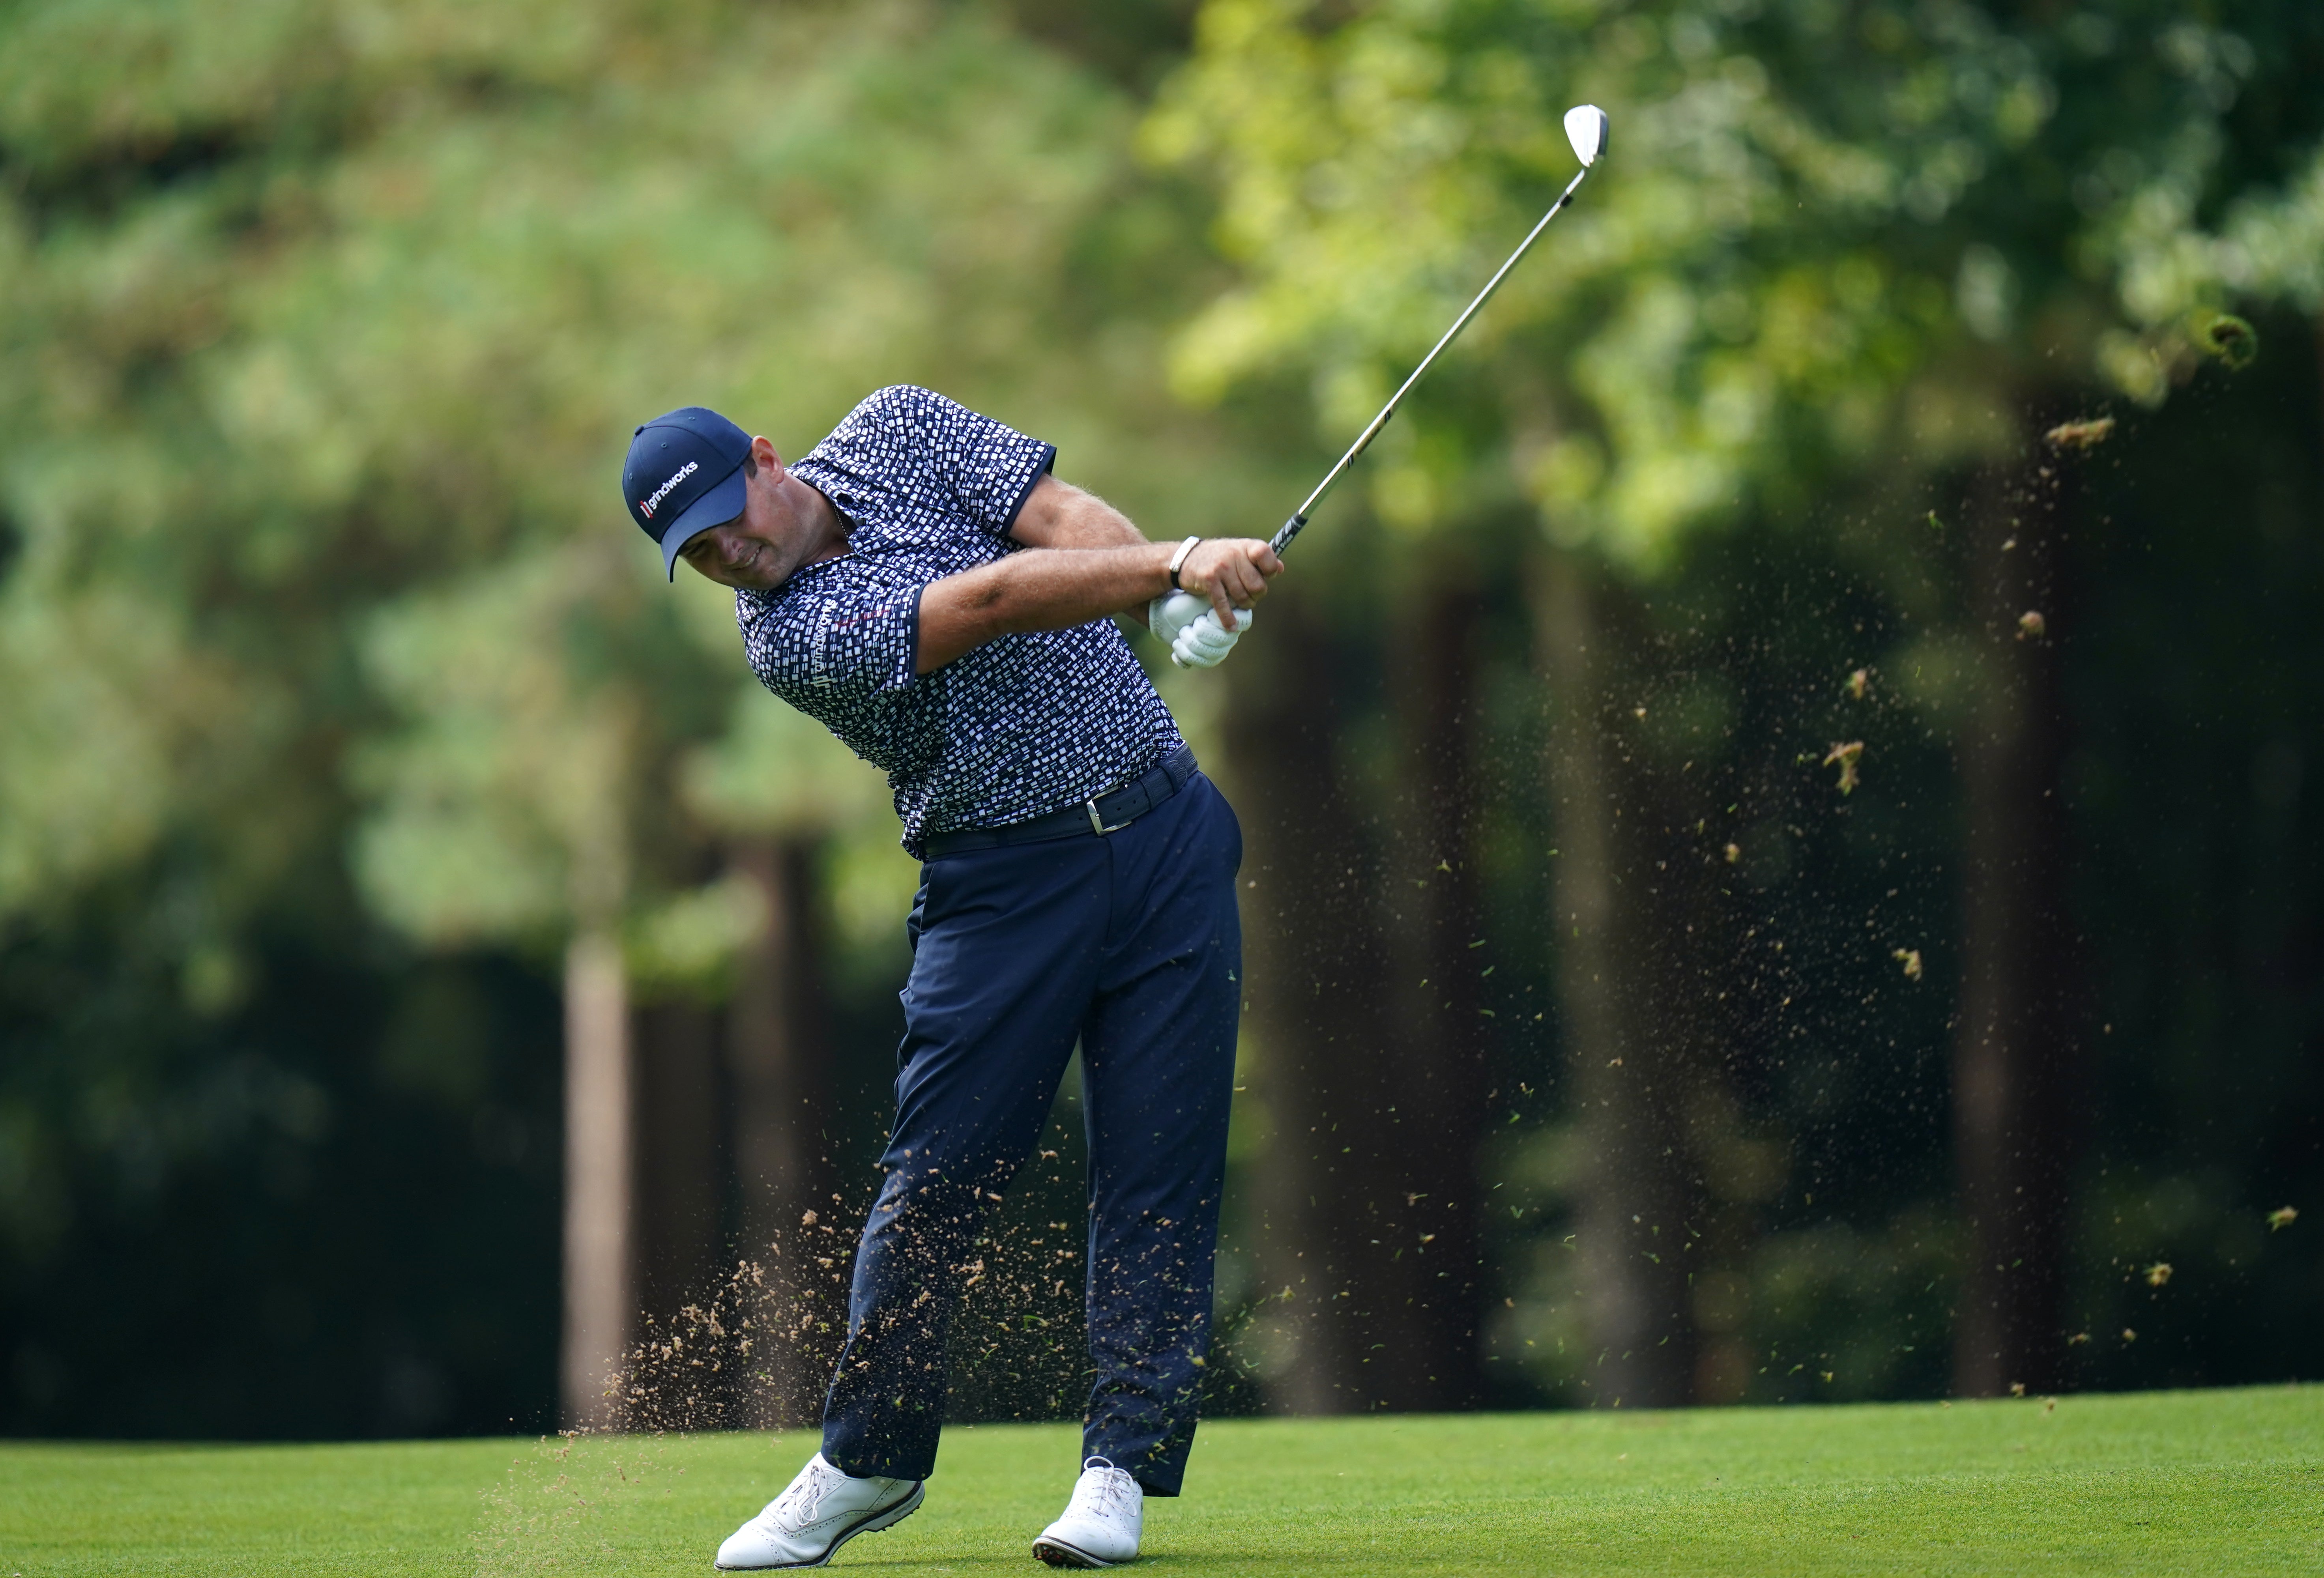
(931, 1203)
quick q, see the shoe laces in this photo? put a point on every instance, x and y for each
(794, 1509)
(1105, 1491)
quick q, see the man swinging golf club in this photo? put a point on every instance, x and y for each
(921, 585)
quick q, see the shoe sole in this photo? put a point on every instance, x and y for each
(887, 1518)
(1058, 1554)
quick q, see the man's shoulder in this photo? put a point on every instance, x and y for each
(930, 458)
(901, 410)
(889, 437)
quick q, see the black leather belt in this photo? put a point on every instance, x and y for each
(1106, 813)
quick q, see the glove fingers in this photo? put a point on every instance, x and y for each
(1193, 651)
(1208, 631)
(1196, 637)
(1204, 643)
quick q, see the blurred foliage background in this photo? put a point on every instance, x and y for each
(422, 946)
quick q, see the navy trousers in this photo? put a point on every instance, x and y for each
(1130, 943)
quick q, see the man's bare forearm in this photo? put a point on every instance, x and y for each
(1038, 588)
(1081, 560)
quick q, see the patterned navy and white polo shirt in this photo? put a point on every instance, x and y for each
(1021, 726)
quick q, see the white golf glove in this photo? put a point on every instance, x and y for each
(1190, 627)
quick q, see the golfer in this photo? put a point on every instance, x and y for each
(922, 585)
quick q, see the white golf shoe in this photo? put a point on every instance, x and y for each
(1102, 1523)
(822, 1510)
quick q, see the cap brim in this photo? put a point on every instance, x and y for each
(721, 504)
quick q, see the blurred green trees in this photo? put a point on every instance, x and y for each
(326, 328)
(1844, 263)
(344, 726)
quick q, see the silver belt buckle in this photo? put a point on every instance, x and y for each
(1097, 823)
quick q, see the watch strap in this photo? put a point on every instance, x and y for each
(1178, 561)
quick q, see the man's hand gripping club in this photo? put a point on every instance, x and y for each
(1202, 622)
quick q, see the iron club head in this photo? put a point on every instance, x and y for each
(1585, 128)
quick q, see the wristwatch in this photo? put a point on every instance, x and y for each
(1178, 561)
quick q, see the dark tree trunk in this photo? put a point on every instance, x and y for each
(681, 1168)
(1314, 962)
(779, 1058)
(2014, 1051)
(1364, 1190)
(1635, 1014)
(1440, 1101)
(677, 1231)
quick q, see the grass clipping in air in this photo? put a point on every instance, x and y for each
(2221, 1483)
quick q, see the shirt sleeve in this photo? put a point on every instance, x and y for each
(816, 647)
(989, 467)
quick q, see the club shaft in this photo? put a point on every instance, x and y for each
(1322, 489)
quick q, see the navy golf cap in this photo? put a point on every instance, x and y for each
(684, 475)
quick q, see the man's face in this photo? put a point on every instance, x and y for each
(759, 549)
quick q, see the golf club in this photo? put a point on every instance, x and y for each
(1585, 128)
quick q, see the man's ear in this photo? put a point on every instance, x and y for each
(763, 457)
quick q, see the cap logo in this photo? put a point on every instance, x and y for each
(662, 493)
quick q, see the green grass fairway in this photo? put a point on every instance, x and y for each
(2203, 1482)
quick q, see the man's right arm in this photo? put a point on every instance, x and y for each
(1056, 588)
